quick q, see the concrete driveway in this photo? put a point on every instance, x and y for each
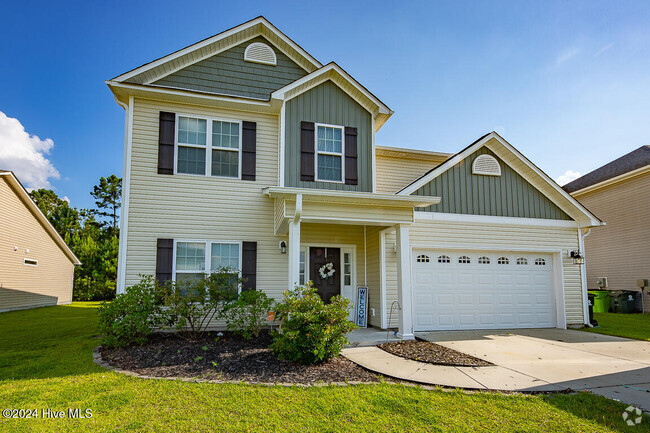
(614, 367)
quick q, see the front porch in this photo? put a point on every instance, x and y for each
(346, 229)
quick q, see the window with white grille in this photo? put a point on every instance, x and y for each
(423, 258)
(522, 261)
(503, 260)
(257, 52)
(484, 260)
(444, 259)
(486, 165)
(464, 259)
(540, 262)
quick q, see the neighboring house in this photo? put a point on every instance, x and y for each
(619, 192)
(244, 150)
(36, 266)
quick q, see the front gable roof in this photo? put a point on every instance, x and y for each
(23, 195)
(521, 165)
(157, 69)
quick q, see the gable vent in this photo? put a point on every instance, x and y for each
(486, 165)
(257, 52)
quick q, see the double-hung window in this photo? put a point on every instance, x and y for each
(208, 147)
(193, 259)
(330, 146)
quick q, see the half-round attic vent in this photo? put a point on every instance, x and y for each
(258, 52)
(486, 165)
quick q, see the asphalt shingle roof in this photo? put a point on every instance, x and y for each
(636, 159)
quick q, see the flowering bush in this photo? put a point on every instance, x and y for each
(248, 314)
(311, 330)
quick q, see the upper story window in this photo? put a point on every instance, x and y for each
(329, 153)
(208, 146)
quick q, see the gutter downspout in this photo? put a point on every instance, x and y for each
(582, 234)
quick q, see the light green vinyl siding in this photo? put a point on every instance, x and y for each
(227, 73)
(508, 195)
(327, 103)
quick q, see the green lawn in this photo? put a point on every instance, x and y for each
(636, 326)
(46, 362)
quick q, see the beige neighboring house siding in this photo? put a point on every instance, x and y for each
(24, 286)
(457, 235)
(396, 169)
(620, 250)
(201, 207)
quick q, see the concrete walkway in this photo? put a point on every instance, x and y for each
(529, 360)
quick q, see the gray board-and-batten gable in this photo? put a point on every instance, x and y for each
(227, 73)
(507, 195)
(327, 103)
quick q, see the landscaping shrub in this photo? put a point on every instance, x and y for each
(311, 330)
(191, 304)
(132, 316)
(248, 314)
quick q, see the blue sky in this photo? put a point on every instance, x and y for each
(567, 83)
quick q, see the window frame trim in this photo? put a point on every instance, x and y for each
(208, 145)
(316, 152)
(208, 257)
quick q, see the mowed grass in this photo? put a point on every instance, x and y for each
(46, 362)
(636, 326)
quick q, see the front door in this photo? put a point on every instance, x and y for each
(319, 258)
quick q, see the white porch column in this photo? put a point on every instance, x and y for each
(404, 292)
(294, 253)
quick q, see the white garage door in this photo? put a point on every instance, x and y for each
(476, 290)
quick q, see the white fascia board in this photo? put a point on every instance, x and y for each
(593, 220)
(492, 220)
(611, 181)
(281, 93)
(215, 38)
(23, 195)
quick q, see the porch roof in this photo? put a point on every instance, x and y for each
(342, 207)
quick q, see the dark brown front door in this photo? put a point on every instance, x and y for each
(326, 287)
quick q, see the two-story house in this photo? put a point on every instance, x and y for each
(243, 150)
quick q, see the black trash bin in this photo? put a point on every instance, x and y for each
(592, 321)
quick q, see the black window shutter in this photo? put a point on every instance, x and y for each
(166, 143)
(249, 265)
(249, 139)
(307, 151)
(351, 169)
(164, 257)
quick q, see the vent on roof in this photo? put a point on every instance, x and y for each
(486, 165)
(257, 52)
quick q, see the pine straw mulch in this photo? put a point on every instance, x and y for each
(425, 351)
(228, 358)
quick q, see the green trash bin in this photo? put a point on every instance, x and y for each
(602, 301)
(625, 303)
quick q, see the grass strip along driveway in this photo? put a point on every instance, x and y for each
(46, 363)
(635, 326)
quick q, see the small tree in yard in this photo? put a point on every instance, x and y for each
(311, 330)
(191, 304)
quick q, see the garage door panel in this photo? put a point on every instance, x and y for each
(485, 293)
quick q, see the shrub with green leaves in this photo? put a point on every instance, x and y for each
(248, 314)
(132, 316)
(311, 330)
(191, 304)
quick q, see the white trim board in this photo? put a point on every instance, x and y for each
(126, 194)
(492, 220)
(611, 181)
(593, 220)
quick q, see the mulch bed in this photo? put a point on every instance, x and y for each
(228, 358)
(425, 351)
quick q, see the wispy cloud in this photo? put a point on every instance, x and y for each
(565, 55)
(25, 154)
(603, 49)
(567, 177)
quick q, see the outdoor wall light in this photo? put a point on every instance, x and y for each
(578, 259)
(283, 247)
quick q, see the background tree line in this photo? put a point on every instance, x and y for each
(92, 234)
